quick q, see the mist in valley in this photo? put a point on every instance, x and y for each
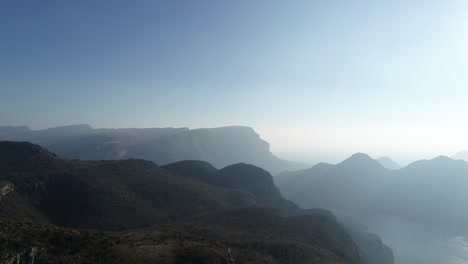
(414, 242)
(418, 210)
(306, 126)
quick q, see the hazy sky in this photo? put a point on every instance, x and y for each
(324, 78)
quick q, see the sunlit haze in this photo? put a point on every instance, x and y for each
(318, 80)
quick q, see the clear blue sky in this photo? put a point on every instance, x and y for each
(324, 78)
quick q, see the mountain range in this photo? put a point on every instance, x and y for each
(361, 184)
(219, 146)
(427, 195)
(349, 186)
(54, 210)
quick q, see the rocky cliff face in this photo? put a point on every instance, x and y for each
(221, 146)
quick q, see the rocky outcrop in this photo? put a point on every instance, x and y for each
(5, 189)
(27, 256)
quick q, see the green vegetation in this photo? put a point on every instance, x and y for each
(49, 206)
(104, 195)
(239, 176)
(251, 235)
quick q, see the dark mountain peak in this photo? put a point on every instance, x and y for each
(258, 182)
(21, 150)
(238, 174)
(246, 169)
(197, 169)
(192, 164)
(241, 174)
(388, 163)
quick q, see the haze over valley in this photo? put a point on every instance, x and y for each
(414, 209)
(222, 132)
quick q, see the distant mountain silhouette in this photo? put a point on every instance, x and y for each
(432, 191)
(463, 155)
(426, 199)
(297, 181)
(11, 131)
(436, 187)
(349, 185)
(388, 163)
(218, 146)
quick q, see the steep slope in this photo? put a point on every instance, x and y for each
(371, 248)
(104, 195)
